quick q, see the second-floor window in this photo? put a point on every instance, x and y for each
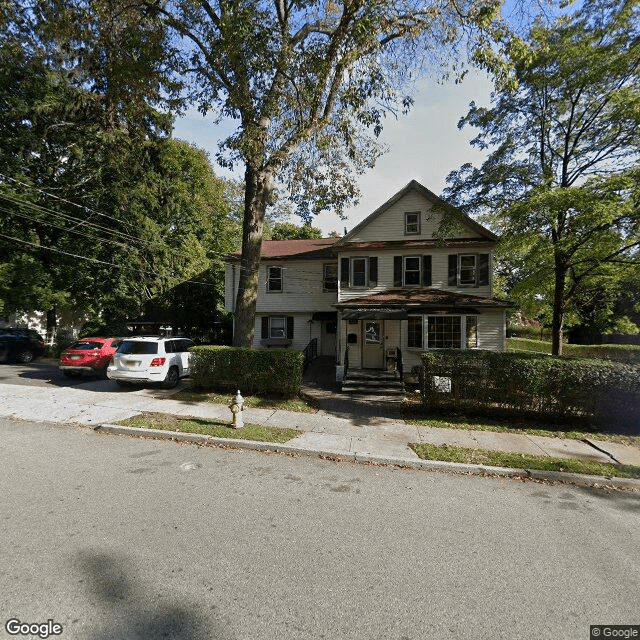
(359, 272)
(330, 277)
(411, 271)
(467, 270)
(274, 278)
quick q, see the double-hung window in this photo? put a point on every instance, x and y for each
(359, 272)
(274, 278)
(411, 271)
(472, 332)
(330, 277)
(467, 270)
(277, 327)
(412, 223)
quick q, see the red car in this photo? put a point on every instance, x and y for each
(91, 355)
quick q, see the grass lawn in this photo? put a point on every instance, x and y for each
(414, 413)
(250, 402)
(214, 428)
(485, 457)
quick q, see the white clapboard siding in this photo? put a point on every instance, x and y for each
(492, 330)
(389, 225)
(304, 330)
(301, 283)
(439, 272)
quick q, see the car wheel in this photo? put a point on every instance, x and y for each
(25, 357)
(70, 374)
(171, 379)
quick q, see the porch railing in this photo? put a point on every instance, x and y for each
(310, 352)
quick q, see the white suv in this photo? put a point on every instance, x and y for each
(151, 359)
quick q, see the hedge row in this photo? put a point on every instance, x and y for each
(628, 354)
(532, 385)
(253, 371)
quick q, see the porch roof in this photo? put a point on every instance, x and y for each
(421, 299)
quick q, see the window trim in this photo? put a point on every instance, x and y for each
(418, 223)
(404, 271)
(269, 279)
(325, 279)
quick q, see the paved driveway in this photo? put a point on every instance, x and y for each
(45, 372)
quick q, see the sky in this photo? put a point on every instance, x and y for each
(425, 145)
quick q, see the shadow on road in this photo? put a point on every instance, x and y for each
(135, 613)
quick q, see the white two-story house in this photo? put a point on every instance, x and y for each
(389, 288)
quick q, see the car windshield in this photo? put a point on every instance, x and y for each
(85, 346)
(138, 346)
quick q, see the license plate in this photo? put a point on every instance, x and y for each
(132, 363)
(75, 357)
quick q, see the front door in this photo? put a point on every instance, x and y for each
(372, 345)
(328, 339)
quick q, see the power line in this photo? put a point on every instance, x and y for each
(112, 264)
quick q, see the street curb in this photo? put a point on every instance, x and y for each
(598, 482)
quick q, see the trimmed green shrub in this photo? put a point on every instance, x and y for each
(253, 371)
(532, 385)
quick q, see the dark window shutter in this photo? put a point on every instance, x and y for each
(426, 271)
(483, 269)
(344, 272)
(289, 327)
(453, 270)
(397, 271)
(373, 271)
(265, 327)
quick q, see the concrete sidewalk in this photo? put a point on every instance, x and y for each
(338, 428)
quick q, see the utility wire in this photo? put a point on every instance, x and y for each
(81, 257)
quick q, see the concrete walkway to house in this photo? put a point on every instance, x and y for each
(342, 427)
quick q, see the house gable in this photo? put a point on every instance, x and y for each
(413, 214)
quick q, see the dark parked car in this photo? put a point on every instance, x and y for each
(20, 345)
(88, 355)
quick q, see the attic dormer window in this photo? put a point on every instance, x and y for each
(412, 223)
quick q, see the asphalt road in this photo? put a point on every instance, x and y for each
(120, 538)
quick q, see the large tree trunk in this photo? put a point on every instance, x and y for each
(258, 187)
(558, 306)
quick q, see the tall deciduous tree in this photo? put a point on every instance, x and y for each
(309, 82)
(80, 128)
(561, 182)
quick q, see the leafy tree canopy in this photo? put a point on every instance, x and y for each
(561, 182)
(290, 231)
(101, 209)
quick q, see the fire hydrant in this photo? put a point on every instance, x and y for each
(236, 410)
